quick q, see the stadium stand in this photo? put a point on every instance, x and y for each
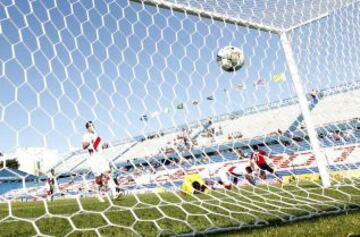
(245, 123)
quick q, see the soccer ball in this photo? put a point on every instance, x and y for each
(230, 58)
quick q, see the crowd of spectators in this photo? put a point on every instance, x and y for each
(132, 170)
(187, 140)
(235, 135)
(338, 135)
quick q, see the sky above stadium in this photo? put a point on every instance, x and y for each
(66, 62)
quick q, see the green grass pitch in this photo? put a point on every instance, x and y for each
(167, 214)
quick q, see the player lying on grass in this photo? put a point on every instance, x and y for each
(98, 163)
(230, 176)
(194, 184)
(258, 160)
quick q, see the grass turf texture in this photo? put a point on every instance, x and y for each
(345, 225)
(174, 213)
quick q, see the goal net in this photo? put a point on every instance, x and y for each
(176, 117)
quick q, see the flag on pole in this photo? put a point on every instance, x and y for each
(279, 77)
(240, 86)
(144, 118)
(180, 106)
(259, 82)
(154, 114)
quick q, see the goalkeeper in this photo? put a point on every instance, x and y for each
(194, 184)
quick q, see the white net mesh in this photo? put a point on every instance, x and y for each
(177, 130)
(270, 15)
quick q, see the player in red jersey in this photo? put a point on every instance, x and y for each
(258, 158)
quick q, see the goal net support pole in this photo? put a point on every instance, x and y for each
(300, 92)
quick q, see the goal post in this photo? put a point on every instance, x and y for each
(320, 156)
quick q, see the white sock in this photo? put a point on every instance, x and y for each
(112, 187)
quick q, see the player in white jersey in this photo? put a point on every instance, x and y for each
(230, 175)
(98, 163)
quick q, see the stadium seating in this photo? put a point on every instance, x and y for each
(251, 125)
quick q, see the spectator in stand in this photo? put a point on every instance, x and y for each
(315, 95)
(348, 135)
(336, 136)
(187, 143)
(154, 164)
(240, 153)
(235, 135)
(210, 121)
(219, 131)
(205, 159)
(239, 135)
(302, 126)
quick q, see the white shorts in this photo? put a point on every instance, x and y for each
(98, 164)
(224, 178)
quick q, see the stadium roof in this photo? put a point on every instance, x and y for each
(9, 174)
(274, 15)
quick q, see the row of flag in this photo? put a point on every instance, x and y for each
(280, 77)
(260, 82)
